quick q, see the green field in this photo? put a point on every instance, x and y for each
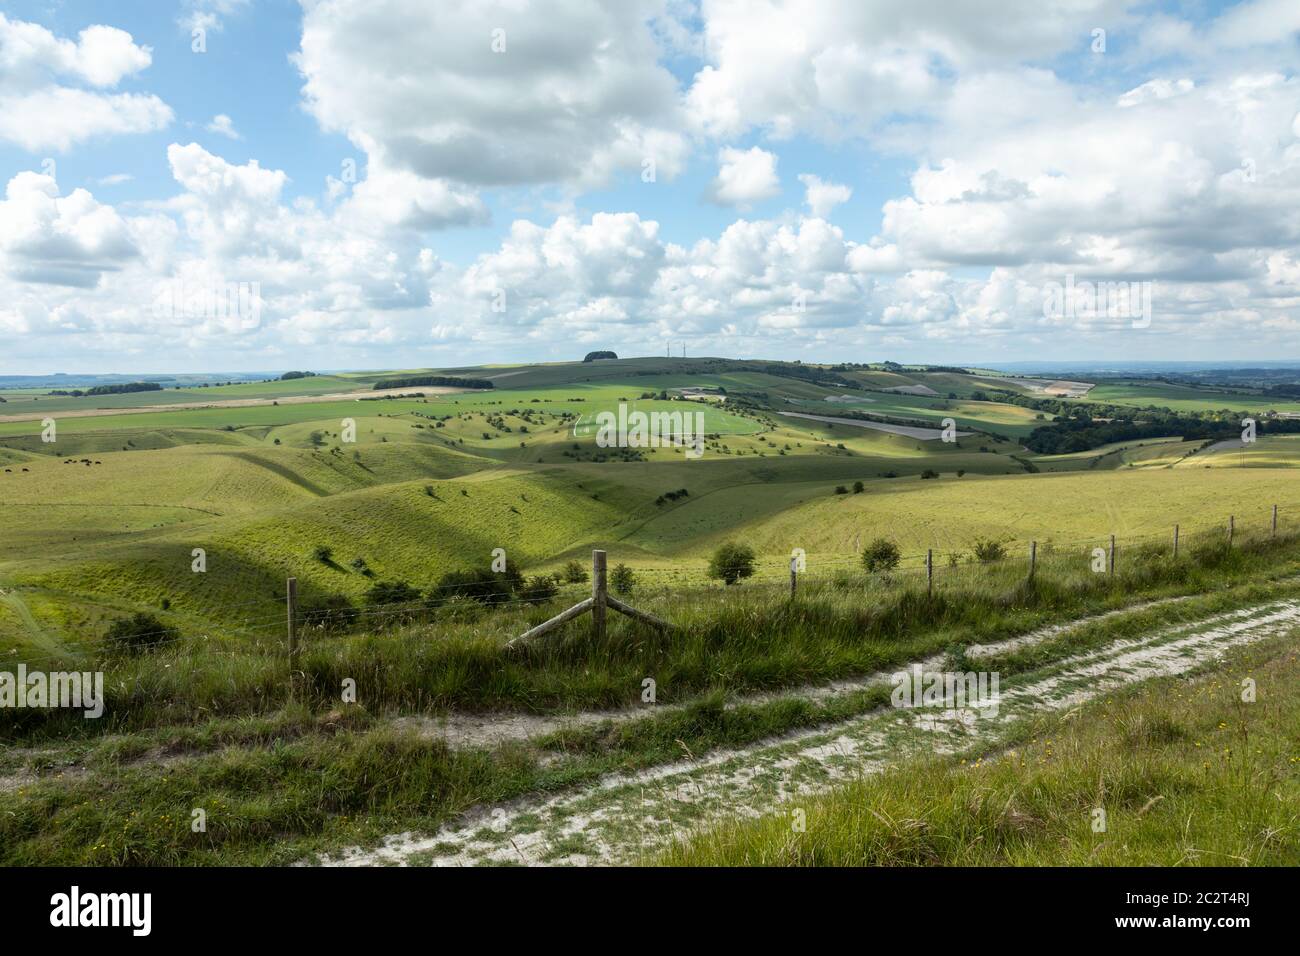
(197, 516)
(105, 519)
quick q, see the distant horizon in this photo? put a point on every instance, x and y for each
(1076, 365)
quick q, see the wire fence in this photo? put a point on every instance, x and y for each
(262, 631)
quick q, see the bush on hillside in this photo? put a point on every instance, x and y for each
(334, 612)
(881, 555)
(731, 562)
(576, 573)
(139, 633)
(621, 579)
(391, 592)
(539, 589)
(481, 584)
(987, 550)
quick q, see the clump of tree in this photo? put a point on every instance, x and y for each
(594, 356)
(290, 376)
(443, 381)
(732, 562)
(139, 634)
(124, 388)
(881, 555)
(575, 573)
(480, 584)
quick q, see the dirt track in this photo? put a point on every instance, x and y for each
(625, 816)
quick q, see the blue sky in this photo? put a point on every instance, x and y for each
(968, 160)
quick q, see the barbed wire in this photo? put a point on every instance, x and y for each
(830, 570)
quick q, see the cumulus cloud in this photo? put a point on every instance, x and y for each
(1178, 164)
(494, 93)
(822, 197)
(40, 110)
(70, 240)
(745, 177)
(788, 66)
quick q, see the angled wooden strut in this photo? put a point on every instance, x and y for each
(598, 604)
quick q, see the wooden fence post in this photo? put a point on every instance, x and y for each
(1275, 521)
(599, 593)
(1232, 528)
(291, 601)
(1111, 563)
(1033, 558)
(929, 572)
(1175, 542)
(794, 576)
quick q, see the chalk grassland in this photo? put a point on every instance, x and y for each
(110, 514)
(203, 723)
(270, 492)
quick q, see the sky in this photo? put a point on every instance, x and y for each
(246, 185)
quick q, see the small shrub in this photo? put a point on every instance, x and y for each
(622, 579)
(988, 550)
(334, 612)
(881, 555)
(731, 562)
(575, 573)
(138, 634)
(539, 589)
(391, 592)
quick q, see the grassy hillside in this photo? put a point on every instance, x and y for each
(106, 519)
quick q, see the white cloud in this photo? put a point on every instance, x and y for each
(745, 177)
(1159, 89)
(223, 125)
(38, 110)
(576, 93)
(833, 69)
(209, 15)
(822, 197)
(68, 240)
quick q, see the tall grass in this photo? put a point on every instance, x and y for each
(1186, 773)
(736, 639)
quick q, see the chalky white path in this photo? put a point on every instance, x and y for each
(625, 816)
